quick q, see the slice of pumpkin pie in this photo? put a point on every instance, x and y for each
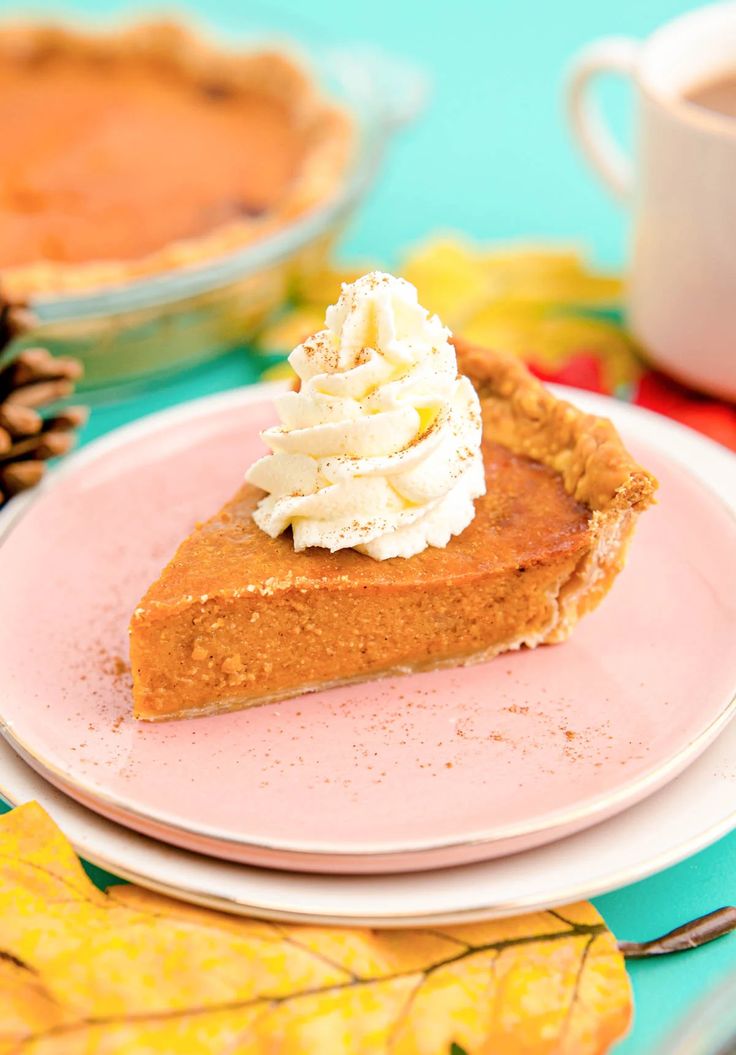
(424, 504)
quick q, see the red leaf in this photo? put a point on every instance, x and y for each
(709, 416)
(581, 371)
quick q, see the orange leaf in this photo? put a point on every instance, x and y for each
(132, 971)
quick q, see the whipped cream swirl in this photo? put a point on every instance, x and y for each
(379, 449)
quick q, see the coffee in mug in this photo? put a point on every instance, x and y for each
(718, 94)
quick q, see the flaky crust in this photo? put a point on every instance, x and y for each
(326, 130)
(588, 454)
(524, 416)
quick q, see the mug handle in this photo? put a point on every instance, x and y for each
(610, 55)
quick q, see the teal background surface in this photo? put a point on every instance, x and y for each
(490, 157)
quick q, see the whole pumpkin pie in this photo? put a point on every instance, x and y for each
(125, 154)
(250, 610)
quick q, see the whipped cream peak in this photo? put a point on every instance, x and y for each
(379, 450)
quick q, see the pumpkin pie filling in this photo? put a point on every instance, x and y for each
(86, 155)
(240, 617)
(148, 149)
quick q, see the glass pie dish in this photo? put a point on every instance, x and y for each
(132, 331)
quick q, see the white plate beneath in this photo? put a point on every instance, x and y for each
(690, 813)
(685, 816)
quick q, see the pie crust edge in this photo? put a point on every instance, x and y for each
(587, 453)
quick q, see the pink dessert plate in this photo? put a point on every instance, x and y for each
(402, 774)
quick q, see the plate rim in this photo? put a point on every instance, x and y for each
(117, 808)
(263, 910)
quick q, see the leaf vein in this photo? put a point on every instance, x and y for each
(591, 930)
(576, 989)
(326, 961)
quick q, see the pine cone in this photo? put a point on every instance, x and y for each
(30, 381)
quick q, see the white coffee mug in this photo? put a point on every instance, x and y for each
(681, 188)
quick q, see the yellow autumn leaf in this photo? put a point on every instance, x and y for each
(85, 972)
(550, 340)
(322, 287)
(449, 278)
(538, 302)
(549, 275)
(290, 329)
(457, 279)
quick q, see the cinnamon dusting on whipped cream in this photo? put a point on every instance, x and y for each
(379, 450)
